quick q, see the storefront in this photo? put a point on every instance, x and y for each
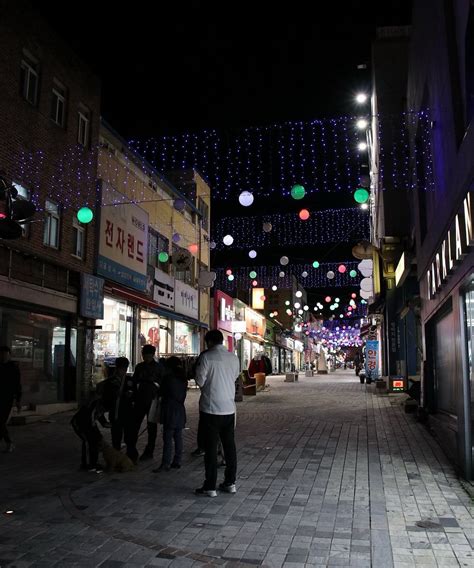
(271, 348)
(223, 317)
(286, 348)
(187, 328)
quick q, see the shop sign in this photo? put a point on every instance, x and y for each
(186, 300)
(123, 243)
(224, 313)
(372, 359)
(163, 289)
(92, 297)
(239, 326)
(397, 384)
(255, 323)
(258, 298)
(454, 247)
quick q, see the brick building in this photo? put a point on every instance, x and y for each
(49, 124)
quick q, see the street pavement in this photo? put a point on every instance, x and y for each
(330, 474)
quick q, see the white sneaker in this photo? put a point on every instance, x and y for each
(228, 488)
(206, 492)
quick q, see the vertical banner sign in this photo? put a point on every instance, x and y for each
(372, 359)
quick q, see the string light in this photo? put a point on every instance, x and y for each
(304, 214)
(361, 98)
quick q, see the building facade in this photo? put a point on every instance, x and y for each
(49, 124)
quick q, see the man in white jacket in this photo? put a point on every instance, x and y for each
(216, 373)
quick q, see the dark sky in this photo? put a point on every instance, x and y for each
(173, 67)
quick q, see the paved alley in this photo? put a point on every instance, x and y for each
(330, 474)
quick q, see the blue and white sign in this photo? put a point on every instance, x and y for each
(92, 297)
(372, 359)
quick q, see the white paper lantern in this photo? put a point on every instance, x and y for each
(366, 284)
(238, 336)
(305, 308)
(282, 274)
(298, 294)
(330, 274)
(228, 240)
(365, 295)
(304, 274)
(267, 227)
(246, 198)
(297, 305)
(284, 260)
(365, 267)
(252, 253)
(274, 288)
(212, 245)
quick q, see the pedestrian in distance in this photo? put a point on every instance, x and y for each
(10, 392)
(172, 413)
(147, 381)
(216, 373)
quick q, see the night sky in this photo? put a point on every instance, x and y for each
(177, 68)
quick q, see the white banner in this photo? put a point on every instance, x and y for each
(185, 300)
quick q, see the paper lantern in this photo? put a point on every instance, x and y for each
(179, 204)
(297, 191)
(289, 312)
(287, 302)
(253, 274)
(230, 277)
(238, 336)
(366, 284)
(361, 195)
(274, 288)
(252, 253)
(163, 257)
(315, 264)
(267, 227)
(330, 275)
(365, 267)
(193, 249)
(284, 260)
(353, 273)
(327, 299)
(298, 294)
(246, 198)
(281, 274)
(177, 237)
(254, 283)
(305, 308)
(341, 268)
(297, 305)
(212, 245)
(228, 272)
(337, 300)
(228, 240)
(304, 274)
(353, 295)
(304, 214)
(263, 298)
(85, 215)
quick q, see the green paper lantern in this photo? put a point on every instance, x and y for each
(85, 215)
(361, 195)
(353, 273)
(315, 264)
(253, 274)
(297, 191)
(163, 257)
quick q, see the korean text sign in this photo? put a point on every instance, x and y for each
(372, 359)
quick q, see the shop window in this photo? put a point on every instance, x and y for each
(78, 239)
(149, 332)
(29, 79)
(51, 224)
(183, 338)
(165, 336)
(83, 126)
(183, 272)
(58, 104)
(114, 338)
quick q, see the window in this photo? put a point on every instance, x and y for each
(78, 239)
(157, 243)
(203, 208)
(29, 79)
(83, 127)
(183, 265)
(58, 104)
(25, 194)
(51, 224)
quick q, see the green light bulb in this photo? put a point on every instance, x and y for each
(85, 215)
(163, 257)
(315, 264)
(297, 191)
(253, 274)
(361, 195)
(353, 273)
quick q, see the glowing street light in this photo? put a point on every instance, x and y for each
(361, 98)
(362, 124)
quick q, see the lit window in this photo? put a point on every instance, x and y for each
(51, 224)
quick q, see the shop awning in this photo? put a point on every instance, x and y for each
(179, 317)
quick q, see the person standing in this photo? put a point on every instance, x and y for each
(173, 413)
(10, 391)
(147, 381)
(216, 373)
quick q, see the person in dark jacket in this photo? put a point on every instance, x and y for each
(10, 391)
(173, 413)
(117, 397)
(84, 423)
(147, 379)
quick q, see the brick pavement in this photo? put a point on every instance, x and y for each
(330, 474)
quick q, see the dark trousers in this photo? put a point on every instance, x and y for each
(5, 409)
(170, 434)
(219, 427)
(140, 411)
(91, 438)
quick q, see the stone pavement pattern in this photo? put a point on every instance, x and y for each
(330, 474)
